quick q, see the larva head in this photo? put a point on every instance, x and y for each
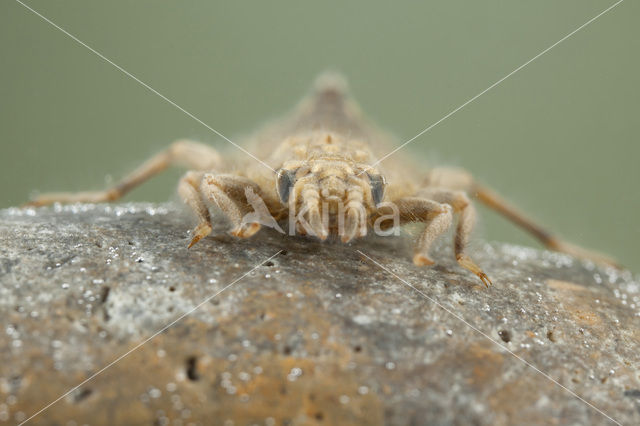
(330, 196)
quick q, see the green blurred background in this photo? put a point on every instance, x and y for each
(559, 138)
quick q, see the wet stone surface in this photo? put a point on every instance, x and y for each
(316, 335)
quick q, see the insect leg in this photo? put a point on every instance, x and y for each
(228, 193)
(436, 216)
(466, 211)
(193, 155)
(188, 189)
(462, 180)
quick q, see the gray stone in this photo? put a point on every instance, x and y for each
(316, 335)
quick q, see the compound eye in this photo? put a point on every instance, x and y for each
(378, 184)
(284, 183)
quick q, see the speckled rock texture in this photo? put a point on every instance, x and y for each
(318, 334)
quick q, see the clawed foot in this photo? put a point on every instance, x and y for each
(484, 278)
(466, 262)
(420, 259)
(200, 232)
(246, 230)
(243, 231)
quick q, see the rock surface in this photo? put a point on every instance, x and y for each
(318, 334)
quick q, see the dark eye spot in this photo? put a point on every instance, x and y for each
(378, 183)
(284, 182)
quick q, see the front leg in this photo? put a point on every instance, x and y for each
(228, 193)
(437, 218)
(437, 214)
(466, 212)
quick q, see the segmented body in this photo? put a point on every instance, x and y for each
(318, 169)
